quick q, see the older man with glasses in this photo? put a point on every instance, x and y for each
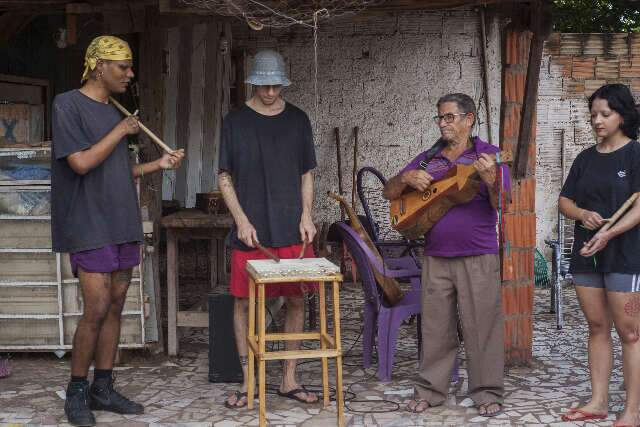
(461, 268)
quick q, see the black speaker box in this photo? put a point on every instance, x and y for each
(224, 365)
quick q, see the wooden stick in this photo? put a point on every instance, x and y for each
(621, 211)
(145, 129)
(267, 252)
(355, 166)
(339, 158)
(304, 248)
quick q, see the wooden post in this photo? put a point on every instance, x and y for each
(172, 292)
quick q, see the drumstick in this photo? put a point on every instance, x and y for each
(304, 248)
(146, 130)
(267, 252)
(616, 216)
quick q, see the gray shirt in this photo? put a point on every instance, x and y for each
(99, 208)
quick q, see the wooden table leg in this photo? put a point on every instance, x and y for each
(261, 362)
(336, 337)
(323, 345)
(251, 335)
(172, 292)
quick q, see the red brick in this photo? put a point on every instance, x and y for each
(583, 68)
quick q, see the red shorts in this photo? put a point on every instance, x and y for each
(239, 286)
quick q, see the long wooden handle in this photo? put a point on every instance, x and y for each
(621, 211)
(145, 129)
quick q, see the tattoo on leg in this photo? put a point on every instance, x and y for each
(244, 360)
(632, 307)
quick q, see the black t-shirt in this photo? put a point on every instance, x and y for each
(266, 157)
(99, 208)
(602, 182)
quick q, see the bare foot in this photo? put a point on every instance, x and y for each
(418, 406)
(490, 409)
(627, 418)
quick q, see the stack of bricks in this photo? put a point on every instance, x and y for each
(589, 61)
(520, 218)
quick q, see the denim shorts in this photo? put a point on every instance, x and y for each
(612, 282)
(106, 259)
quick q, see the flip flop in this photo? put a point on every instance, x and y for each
(291, 394)
(585, 416)
(239, 395)
(486, 406)
(418, 403)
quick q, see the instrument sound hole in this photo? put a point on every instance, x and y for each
(435, 190)
(426, 195)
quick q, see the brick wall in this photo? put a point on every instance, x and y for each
(520, 227)
(383, 73)
(574, 66)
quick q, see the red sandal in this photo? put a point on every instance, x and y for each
(584, 415)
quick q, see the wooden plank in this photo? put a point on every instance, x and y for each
(196, 115)
(28, 332)
(262, 378)
(195, 218)
(541, 27)
(293, 336)
(195, 319)
(338, 347)
(40, 267)
(25, 234)
(329, 341)
(172, 293)
(323, 346)
(28, 300)
(212, 119)
(183, 106)
(171, 79)
(253, 345)
(302, 354)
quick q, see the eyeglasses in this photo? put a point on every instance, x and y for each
(449, 117)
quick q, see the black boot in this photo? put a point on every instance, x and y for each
(76, 405)
(105, 398)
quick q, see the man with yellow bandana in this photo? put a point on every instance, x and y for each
(95, 217)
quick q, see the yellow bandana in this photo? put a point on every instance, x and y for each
(105, 47)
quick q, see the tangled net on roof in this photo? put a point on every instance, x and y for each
(282, 13)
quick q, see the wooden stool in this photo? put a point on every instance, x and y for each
(295, 272)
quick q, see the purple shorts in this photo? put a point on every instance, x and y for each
(106, 259)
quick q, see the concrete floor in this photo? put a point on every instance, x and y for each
(176, 392)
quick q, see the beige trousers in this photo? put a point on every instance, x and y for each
(468, 287)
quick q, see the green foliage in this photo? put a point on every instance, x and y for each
(596, 16)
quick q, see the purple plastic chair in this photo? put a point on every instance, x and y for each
(376, 310)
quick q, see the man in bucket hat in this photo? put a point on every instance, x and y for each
(266, 161)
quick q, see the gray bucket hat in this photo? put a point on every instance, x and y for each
(268, 69)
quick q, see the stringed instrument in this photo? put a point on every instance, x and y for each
(415, 212)
(390, 286)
